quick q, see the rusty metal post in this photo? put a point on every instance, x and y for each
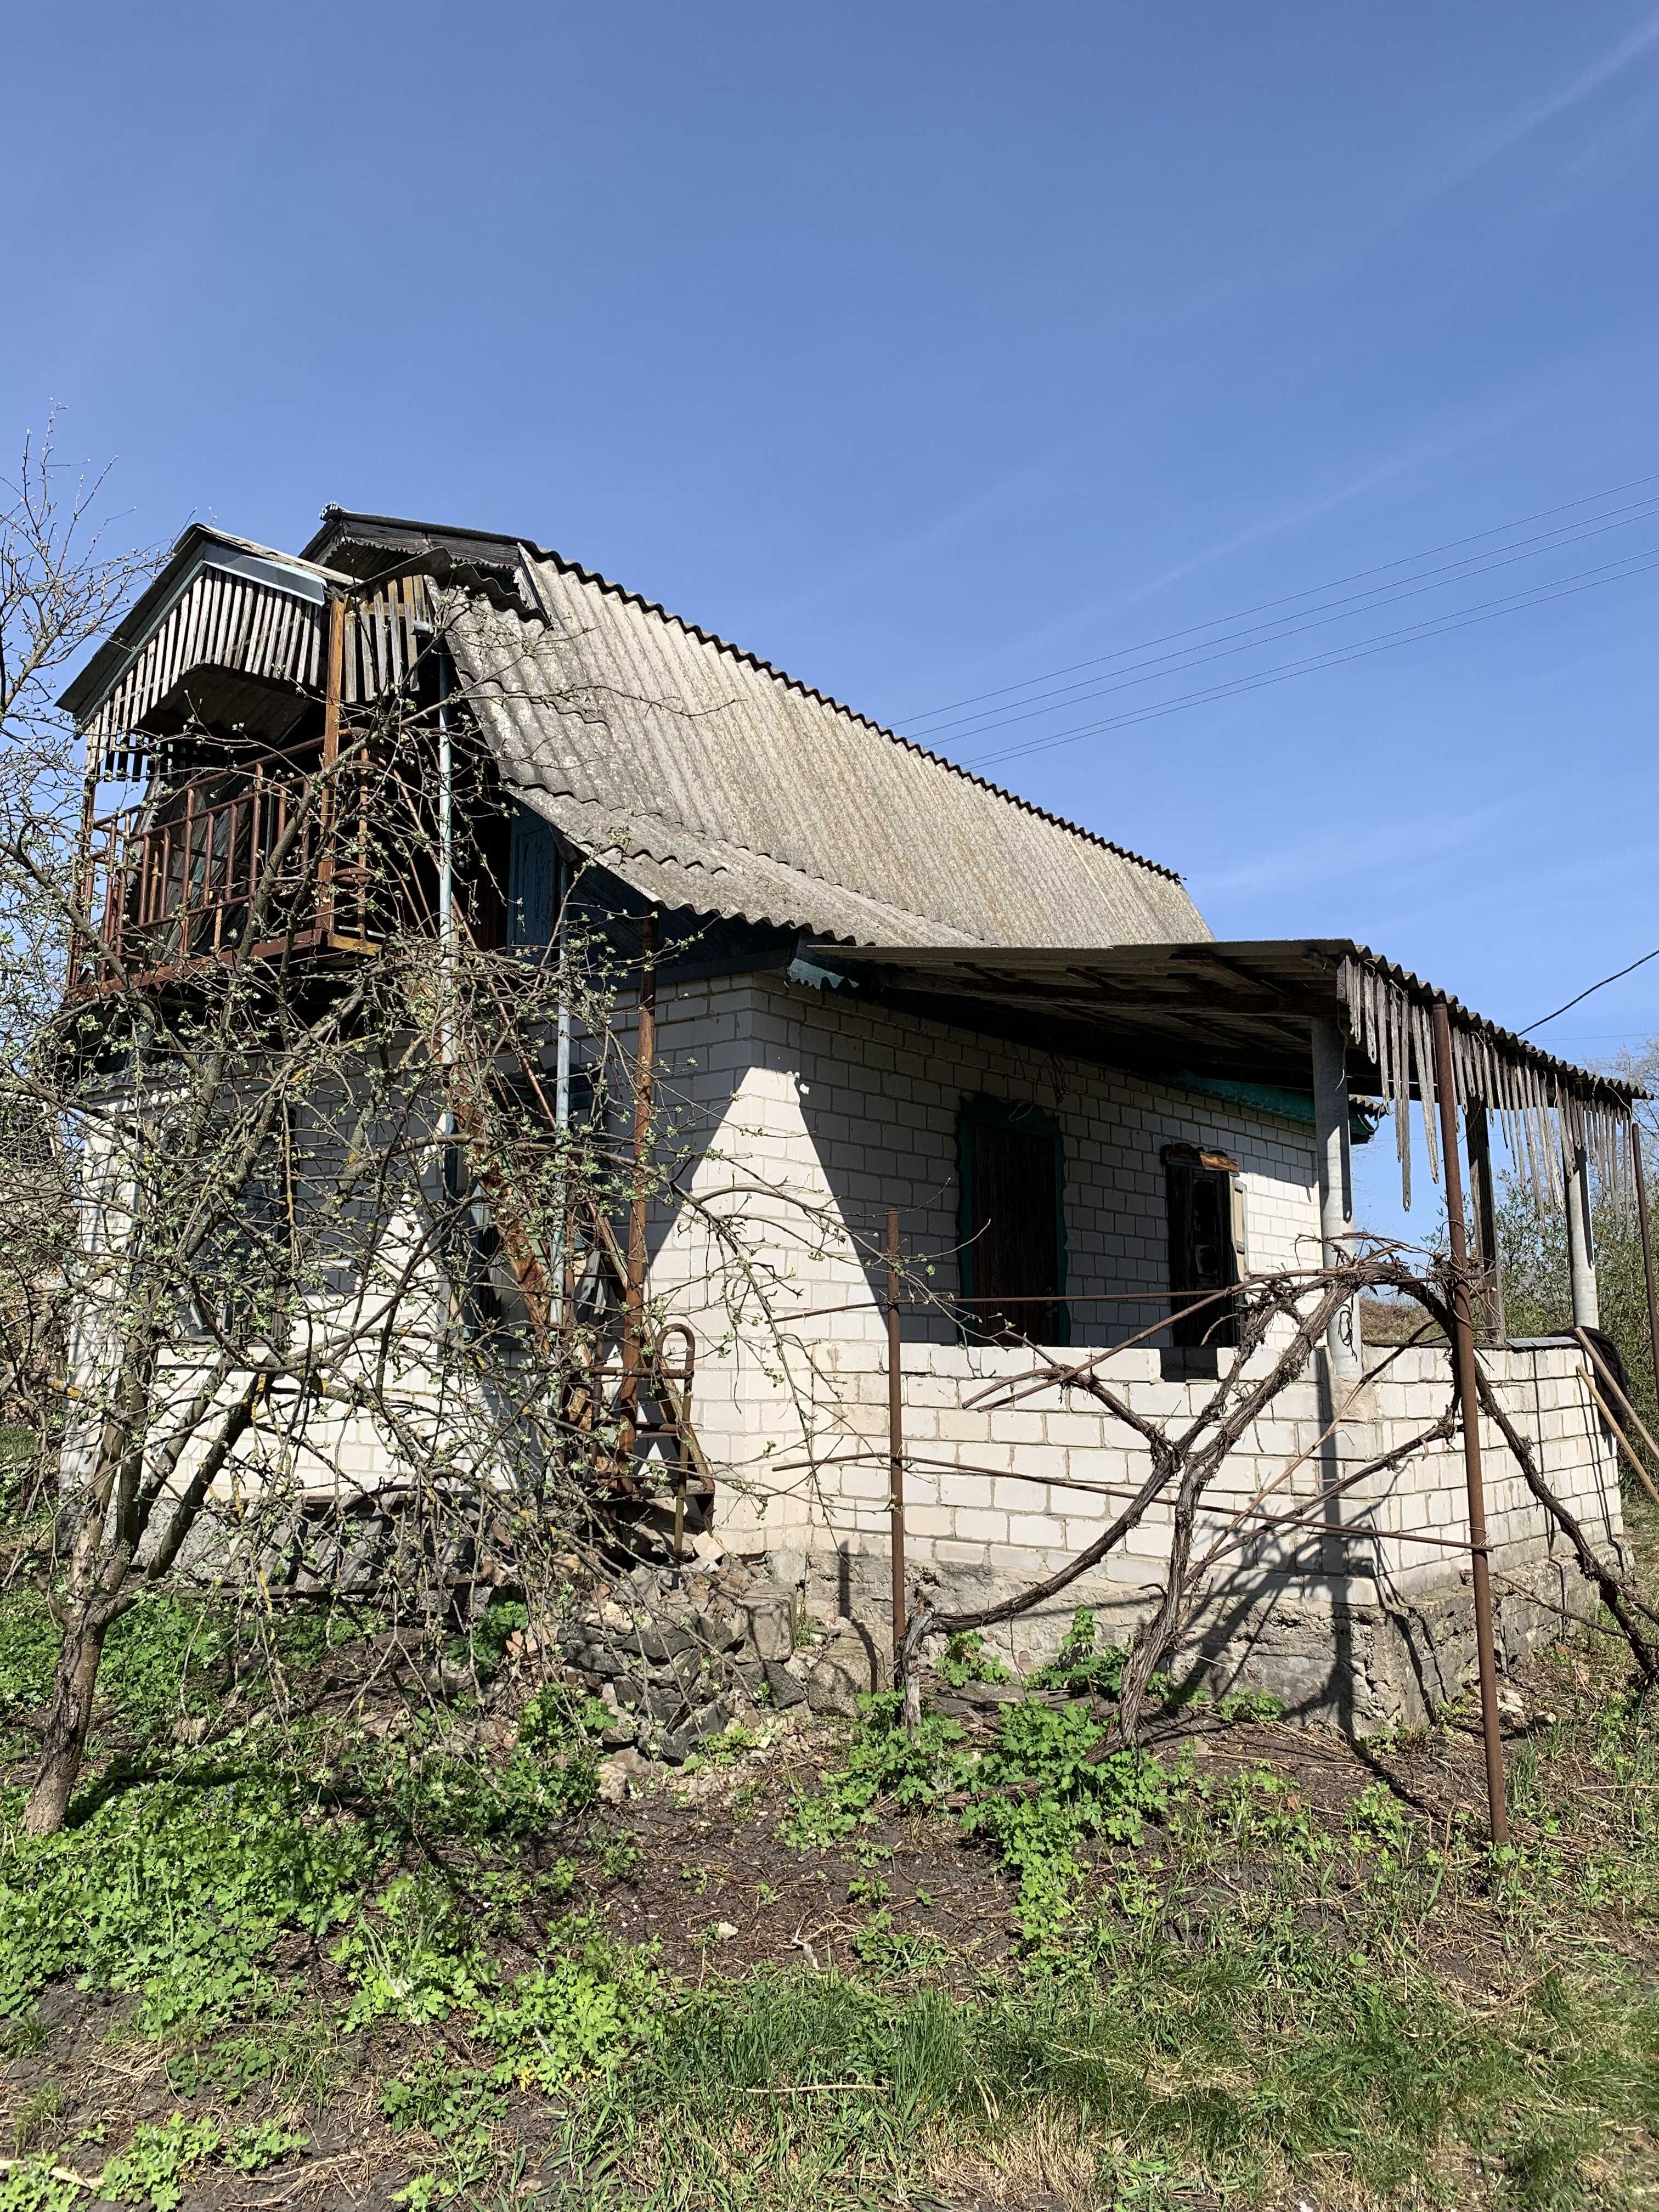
(895, 1426)
(1468, 1401)
(645, 1053)
(1647, 1246)
(334, 684)
(1479, 1138)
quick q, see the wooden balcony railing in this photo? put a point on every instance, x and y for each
(262, 853)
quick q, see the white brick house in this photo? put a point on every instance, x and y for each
(885, 984)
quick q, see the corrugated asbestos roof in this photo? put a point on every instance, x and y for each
(707, 779)
(700, 775)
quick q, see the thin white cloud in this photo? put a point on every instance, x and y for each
(1491, 145)
(1342, 853)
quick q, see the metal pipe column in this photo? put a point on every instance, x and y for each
(1468, 1407)
(451, 1156)
(1647, 1244)
(645, 1053)
(561, 1094)
(896, 1427)
(1581, 1244)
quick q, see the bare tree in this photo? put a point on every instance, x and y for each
(341, 1274)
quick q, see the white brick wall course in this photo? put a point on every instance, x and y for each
(1038, 1530)
(981, 1525)
(1012, 1494)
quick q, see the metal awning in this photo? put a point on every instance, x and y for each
(1244, 1012)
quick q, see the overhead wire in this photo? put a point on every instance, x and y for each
(1634, 564)
(1253, 640)
(1263, 606)
(1590, 992)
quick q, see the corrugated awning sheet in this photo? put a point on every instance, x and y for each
(221, 620)
(1245, 1011)
(707, 780)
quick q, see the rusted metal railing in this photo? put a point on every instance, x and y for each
(232, 860)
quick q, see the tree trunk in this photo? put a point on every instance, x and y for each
(68, 1717)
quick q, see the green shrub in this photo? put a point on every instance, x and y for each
(585, 2011)
(884, 1763)
(1080, 1667)
(413, 1956)
(1043, 1788)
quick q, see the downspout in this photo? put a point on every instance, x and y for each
(446, 927)
(562, 1101)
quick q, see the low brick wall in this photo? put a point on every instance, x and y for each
(1363, 1612)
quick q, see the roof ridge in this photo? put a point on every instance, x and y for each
(756, 660)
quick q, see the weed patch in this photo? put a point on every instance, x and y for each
(1044, 1786)
(178, 1889)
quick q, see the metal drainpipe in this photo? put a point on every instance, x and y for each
(1580, 1247)
(561, 1091)
(446, 916)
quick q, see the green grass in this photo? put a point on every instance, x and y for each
(1242, 2061)
(1213, 1985)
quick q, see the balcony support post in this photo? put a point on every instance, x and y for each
(333, 684)
(83, 925)
(645, 1053)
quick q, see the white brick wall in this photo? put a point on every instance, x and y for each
(808, 1114)
(1060, 1492)
(823, 1111)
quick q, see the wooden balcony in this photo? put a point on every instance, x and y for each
(257, 861)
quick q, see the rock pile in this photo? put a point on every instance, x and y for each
(676, 1655)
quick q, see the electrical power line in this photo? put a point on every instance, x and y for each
(1634, 564)
(1594, 987)
(1263, 606)
(1407, 587)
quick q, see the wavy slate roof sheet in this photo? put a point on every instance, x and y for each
(705, 778)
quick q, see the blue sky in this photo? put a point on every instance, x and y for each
(928, 349)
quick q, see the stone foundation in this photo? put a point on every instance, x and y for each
(1347, 1655)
